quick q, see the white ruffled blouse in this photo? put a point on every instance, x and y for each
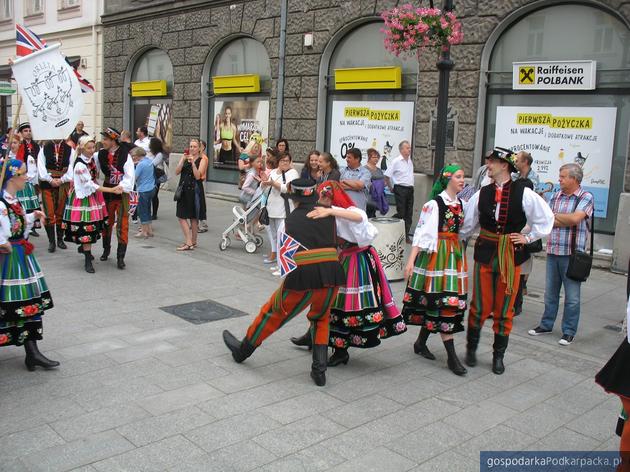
(5, 221)
(426, 235)
(361, 233)
(84, 186)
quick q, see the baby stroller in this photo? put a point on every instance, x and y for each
(242, 226)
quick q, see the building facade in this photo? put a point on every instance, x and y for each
(74, 23)
(295, 51)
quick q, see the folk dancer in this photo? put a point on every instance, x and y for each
(502, 209)
(436, 271)
(54, 165)
(364, 311)
(117, 167)
(27, 153)
(24, 295)
(85, 215)
(313, 284)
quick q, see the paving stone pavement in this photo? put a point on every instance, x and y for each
(140, 389)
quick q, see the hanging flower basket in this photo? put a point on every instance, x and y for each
(409, 30)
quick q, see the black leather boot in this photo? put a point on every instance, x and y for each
(80, 250)
(318, 368)
(89, 268)
(499, 346)
(304, 340)
(35, 358)
(60, 243)
(339, 356)
(34, 233)
(420, 346)
(472, 341)
(50, 232)
(241, 350)
(107, 247)
(453, 361)
(120, 256)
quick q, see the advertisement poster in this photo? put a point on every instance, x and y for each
(364, 125)
(559, 135)
(234, 123)
(50, 92)
(160, 123)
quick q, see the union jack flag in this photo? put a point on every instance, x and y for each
(286, 251)
(133, 202)
(28, 42)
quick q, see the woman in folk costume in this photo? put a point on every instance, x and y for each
(436, 273)
(28, 197)
(615, 378)
(364, 311)
(85, 214)
(24, 295)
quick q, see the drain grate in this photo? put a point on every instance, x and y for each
(203, 311)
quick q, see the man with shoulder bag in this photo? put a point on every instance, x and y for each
(568, 264)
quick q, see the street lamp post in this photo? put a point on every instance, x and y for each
(444, 65)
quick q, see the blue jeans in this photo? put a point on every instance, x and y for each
(556, 278)
(144, 206)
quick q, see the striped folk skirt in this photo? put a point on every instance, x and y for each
(436, 292)
(84, 218)
(24, 296)
(364, 311)
(28, 198)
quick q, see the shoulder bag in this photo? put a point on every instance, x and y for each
(580, 262)
(285, 197)
(263, 217)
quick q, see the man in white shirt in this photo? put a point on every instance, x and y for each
(143, 138)
(399, 179)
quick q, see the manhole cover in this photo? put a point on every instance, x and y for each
(203, 311)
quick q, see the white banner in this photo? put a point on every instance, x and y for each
(50, 92)
(559, 135)
(364, 125)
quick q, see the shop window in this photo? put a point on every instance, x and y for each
(239, 85)
(363, 48)
(571, 32)
(151, 87)
(34, 7)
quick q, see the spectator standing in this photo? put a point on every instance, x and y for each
(191, 205)
(278, 205)
(524, 161)
(77, 133)
(125, 137)
(156, 153)
(143, 138)
(356, 179)
(377, 200)
(145, 186)
(481, 178)
(282, 145)
(328, 167)
(572, 207)
(311, 167)
(399, 175)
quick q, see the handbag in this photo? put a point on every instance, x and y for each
(533, 248)
(580, 262)
(160, 175)
(285, 197)
(263, 217)
(178, 193)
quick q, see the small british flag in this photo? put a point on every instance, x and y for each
(27, 41)
(133, 202)
(286, 251)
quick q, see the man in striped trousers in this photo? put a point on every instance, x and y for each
(502, 209)
(313, 284)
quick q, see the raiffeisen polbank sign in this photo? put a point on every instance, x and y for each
(554, 75)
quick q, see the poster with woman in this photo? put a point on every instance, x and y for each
(234, 123)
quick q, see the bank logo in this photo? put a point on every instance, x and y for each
(526, 75)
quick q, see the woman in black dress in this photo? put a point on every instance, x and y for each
(191, 202)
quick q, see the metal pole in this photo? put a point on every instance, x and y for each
(444, 65)
(281, 54)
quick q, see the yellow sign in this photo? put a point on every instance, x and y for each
(372, 115)
(526, 75)
(547, 119)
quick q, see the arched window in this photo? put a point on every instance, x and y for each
(362, 54)
(239, 85)
(151, 86)
(568, 32)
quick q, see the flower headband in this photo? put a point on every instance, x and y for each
(442, 181)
